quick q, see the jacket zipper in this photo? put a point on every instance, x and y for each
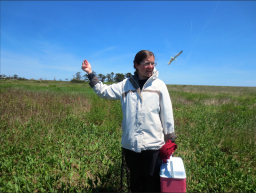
(146, 82)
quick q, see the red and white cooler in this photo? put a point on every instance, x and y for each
(173, 175)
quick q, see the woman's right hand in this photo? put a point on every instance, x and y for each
(86, 66)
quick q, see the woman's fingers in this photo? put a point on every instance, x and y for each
(84, 64)
(86, 67)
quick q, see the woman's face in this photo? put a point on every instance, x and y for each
(145, 71)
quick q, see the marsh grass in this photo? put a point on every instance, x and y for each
(59, 136)
(51, 140)
(216, 129)
(18, 106)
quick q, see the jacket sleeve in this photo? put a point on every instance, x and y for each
(166, 115)
(105, 91)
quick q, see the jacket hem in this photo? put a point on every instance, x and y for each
(142, 149)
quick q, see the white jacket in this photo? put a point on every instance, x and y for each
(147, 114)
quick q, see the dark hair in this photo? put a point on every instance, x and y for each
(140, 56)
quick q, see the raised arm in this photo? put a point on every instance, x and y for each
(113, 91)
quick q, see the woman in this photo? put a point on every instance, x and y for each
(147, 119)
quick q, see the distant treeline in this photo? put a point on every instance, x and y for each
(15, 76)
(78, 77)
(111, 77)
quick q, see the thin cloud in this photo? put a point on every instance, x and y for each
(207, 23)
(17, 62)
(102, 51)
(191, 26)
(211, 17)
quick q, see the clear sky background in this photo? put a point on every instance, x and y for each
(47, 39)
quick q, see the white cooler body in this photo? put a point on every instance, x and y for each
(173, 175)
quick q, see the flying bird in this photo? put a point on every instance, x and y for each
(173, 58)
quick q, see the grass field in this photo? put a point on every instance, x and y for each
(58, 137)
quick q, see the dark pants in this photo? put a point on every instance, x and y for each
(144, 170)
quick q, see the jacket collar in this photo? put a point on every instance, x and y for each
(135, 80)
(154, 76)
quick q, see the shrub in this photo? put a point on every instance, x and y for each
(77, 81)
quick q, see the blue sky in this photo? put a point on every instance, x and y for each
(47, 39)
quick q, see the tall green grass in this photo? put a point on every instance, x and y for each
(216, 128)
(58, 136)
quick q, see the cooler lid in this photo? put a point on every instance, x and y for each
(174, 168)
